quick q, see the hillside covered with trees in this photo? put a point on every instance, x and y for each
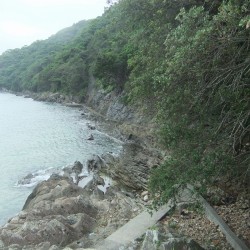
(189, 61)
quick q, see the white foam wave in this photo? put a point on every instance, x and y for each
(32, 179)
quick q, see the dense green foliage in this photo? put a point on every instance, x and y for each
(49, 65)
(188, 60)
(203, 90)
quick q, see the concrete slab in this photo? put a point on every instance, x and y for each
(134, 229)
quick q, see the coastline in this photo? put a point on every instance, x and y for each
(8, 237)
(97, 214)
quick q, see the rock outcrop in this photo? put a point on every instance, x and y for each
(131, 168)
(67, 100)
(59, 213)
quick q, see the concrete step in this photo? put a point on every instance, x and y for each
(134, 229)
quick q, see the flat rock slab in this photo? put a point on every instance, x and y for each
(134, 228)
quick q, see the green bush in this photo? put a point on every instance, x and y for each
(204, 98)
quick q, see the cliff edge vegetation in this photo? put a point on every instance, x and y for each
(187, 62)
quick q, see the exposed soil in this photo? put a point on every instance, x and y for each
(193, 222)
(237, 216)
(196, 226)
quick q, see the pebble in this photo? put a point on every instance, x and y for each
(144, 193)
(145, 198)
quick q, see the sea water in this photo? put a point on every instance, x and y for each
(41, 138)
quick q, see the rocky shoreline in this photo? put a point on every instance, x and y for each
(114, 117)
(61, 213)
(58, 213)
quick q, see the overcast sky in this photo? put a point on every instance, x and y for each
(25, 21)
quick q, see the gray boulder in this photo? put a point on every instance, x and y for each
(77, 168)
(90, 126)
(95, 163)
(98, 180)
(26, 180)
(90, 138)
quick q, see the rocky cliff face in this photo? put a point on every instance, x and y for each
(139, 155)
(113, 107)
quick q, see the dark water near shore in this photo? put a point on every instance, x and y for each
(35, 137)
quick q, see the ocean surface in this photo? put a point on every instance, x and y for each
(41, 138)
